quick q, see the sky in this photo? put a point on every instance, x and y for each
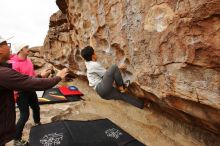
(26, 20)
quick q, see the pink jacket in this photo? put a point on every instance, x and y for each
(24, 66)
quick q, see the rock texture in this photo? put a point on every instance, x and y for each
(171, 48)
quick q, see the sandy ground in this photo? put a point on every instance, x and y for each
(153, 128)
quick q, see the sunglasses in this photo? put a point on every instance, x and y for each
(9, 44)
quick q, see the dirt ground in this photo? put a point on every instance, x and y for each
(151, 127)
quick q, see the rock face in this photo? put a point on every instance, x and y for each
(171, 48)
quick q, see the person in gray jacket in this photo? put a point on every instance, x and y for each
(102, 80)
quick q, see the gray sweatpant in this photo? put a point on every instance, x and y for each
(106, 90)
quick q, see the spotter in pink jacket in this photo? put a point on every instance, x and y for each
(24, 66)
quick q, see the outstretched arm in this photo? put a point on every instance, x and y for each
(15, 81)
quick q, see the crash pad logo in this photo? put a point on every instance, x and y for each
(114, 133)
(52, 139)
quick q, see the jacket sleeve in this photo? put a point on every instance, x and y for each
(13, 80)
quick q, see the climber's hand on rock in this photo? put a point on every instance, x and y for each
(122, 66)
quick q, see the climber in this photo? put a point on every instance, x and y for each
(12, 80)
(102, 80)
